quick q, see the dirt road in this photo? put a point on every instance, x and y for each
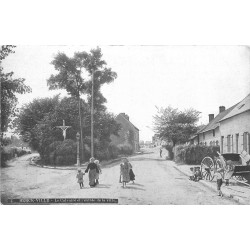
(157, 182)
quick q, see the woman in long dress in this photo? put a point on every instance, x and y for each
(92, 169)
(99, 171)
(125, 168)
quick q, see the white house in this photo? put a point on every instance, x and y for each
(235, 128)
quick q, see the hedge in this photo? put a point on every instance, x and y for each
(193, 154)
(64, 153)
(125, 149)
(61, 153)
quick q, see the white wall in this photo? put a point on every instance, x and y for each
(238, 124)
(209, 137)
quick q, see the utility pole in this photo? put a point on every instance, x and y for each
(92, 116)
(78, 149)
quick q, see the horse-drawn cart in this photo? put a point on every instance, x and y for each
(239, 162)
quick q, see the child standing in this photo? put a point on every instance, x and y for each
(131, 174)
(79, 177)
(229, 171)
(218, 175)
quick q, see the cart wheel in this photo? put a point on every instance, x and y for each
(207, 168)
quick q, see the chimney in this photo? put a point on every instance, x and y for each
(211, 117)
(221, 109)
(125, 115)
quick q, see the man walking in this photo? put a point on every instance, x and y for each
(160, 152)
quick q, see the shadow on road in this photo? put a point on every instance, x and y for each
(137, 184)
(102, 186)
(146, 159)
(135, 188)
(146, 153)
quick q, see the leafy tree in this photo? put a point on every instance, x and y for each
(41, 117)
(37, 119)
(174, 125)
(6, 50)
(10, 87)
(70, 77)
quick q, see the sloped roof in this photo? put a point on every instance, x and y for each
(215, 122)
(241, 107)
(192, 137)
(201, 128)
(128, 121)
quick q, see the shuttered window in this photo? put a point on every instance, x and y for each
(222, 144)
(232, 143)
(245, 135)
(248, 143)
(237, 143)
(229, 143)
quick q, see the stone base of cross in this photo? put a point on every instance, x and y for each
(63, 128)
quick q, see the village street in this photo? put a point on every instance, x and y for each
(157, 182)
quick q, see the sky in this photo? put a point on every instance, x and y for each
(199, 77)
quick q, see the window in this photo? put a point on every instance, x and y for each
(248, 143)
(203, 136)
(245, 141)
(237, 143)
(232, 139)
(228, 143)
(213, 132)
(222, 144)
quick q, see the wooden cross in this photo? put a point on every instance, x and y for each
(63, 128)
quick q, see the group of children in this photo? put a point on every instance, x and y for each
(219, 173)
(227, 172)
(94, 169)
(126, 172)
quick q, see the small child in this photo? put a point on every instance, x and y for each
(218, 175)
(131, 174)
(196, 174)
(79, 177)
(229, 171)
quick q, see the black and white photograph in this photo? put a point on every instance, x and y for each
(125, 124)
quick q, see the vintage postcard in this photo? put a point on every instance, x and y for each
(134, 125)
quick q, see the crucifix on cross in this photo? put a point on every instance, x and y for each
(63, 128)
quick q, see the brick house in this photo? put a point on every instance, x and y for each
(128, 133)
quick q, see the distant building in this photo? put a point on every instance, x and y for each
(128, 133)
(141, 143)
(148, 144)
(156, 140)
